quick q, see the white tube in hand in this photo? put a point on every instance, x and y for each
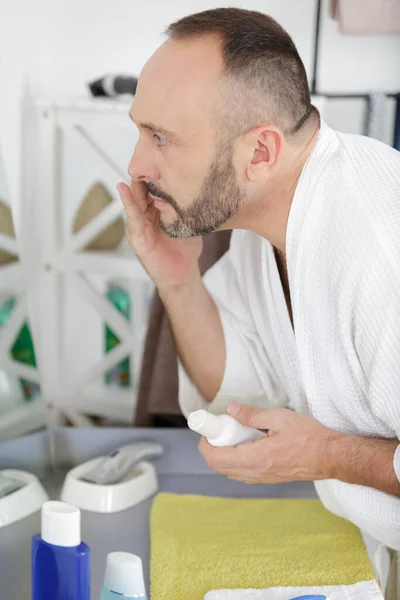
(222, 430)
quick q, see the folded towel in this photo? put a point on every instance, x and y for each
(367, 17)
(365, 590)
(201, 543)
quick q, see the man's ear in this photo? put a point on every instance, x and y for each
(264, 148)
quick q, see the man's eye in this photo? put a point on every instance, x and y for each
(160, 141)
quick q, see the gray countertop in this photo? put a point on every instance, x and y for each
(180, 470)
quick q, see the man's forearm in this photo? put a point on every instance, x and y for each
(198, 334)
(364, 461)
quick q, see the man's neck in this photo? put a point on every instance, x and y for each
(270, 219)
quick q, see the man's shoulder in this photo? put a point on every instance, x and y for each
(368, 155)
(353, 215)
(362, 182)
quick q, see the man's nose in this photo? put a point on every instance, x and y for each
(142, 168)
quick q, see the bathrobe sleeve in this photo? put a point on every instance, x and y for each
(377, 337)
(246, 377)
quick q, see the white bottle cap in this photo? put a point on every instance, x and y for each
(205, 423)
(124, 574)
(61, 524)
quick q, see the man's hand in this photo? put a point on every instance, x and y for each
(300, 448)
(169, 262)
(296, 448)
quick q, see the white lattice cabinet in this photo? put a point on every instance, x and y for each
(26, 416)
(82, 143)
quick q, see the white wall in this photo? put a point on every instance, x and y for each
(53, 47)
(56, 46)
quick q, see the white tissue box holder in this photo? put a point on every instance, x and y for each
(141, 483)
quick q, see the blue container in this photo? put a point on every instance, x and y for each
(60, 561)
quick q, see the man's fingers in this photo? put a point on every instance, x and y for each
(139, 193)
(266, 419)
(217, 458)
(223, 460)
(134, 195)
(133, 213)
(125, 194)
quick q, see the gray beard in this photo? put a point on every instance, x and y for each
(219, 200)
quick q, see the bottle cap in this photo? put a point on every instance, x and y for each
(124, 574)
(61, 524)
(205, 423)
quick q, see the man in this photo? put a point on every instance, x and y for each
(300, 320)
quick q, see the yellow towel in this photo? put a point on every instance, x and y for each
(199, 543)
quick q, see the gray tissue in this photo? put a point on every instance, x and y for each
(116, 465)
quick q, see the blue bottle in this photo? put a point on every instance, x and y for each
(123, 577)
(60, 560)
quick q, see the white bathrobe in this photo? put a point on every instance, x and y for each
(341, 363)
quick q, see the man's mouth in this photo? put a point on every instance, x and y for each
(158, 202)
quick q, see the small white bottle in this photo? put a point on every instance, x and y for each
(123, 577)
(222, 430)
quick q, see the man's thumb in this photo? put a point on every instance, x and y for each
(248, 415)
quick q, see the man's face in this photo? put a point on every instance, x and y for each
(189, 173)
